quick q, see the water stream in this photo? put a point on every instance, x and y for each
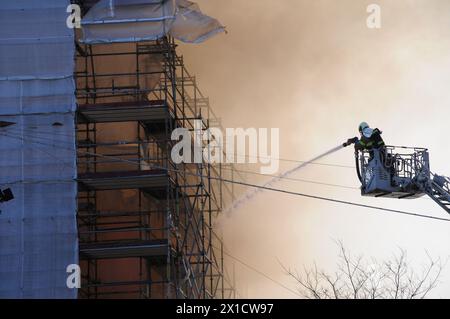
(251, 193)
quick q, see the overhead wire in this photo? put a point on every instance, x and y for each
(32, 129)
(295, 161)
(260, 174)
(256, 270)
(290, 178)
(328, 199)
(230, 255)
(302, 180)
(225, 168)
(270, 189)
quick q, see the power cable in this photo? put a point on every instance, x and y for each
(301, 180)
(31, 129)
(336, 200)
(290, 178)
(258, 272)
(296, 161)
(269, 188)
(286, 192)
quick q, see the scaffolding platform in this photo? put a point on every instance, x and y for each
(143, 111)
(154, 182)
(150, 248)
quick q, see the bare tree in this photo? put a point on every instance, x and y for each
(359, 278)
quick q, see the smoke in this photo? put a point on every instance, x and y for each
(250, 194)
(314, 69)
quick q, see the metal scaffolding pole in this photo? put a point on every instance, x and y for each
(157, 241)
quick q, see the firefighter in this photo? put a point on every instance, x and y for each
(370, 139)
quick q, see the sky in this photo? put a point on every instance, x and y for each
(314, 70)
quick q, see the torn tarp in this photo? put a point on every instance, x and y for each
(112, 21)
(191, 25)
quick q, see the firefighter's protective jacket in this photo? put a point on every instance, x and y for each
(370, 138)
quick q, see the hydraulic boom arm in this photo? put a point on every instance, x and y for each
(437, 188)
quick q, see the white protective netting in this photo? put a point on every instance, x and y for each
(38, 233)
(112, 21)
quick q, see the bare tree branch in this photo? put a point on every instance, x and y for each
(356, 278)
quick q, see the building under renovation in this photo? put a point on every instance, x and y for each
(88, 104)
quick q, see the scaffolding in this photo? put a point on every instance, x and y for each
(145, 223)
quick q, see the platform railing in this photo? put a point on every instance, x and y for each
(398, 161)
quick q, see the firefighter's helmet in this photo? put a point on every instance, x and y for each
(362, 126)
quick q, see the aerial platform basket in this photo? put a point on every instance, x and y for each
(393, 171)
(401, 172)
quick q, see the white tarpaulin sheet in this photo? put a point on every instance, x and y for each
(191, 25)
(139, 20)
(38, 232)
